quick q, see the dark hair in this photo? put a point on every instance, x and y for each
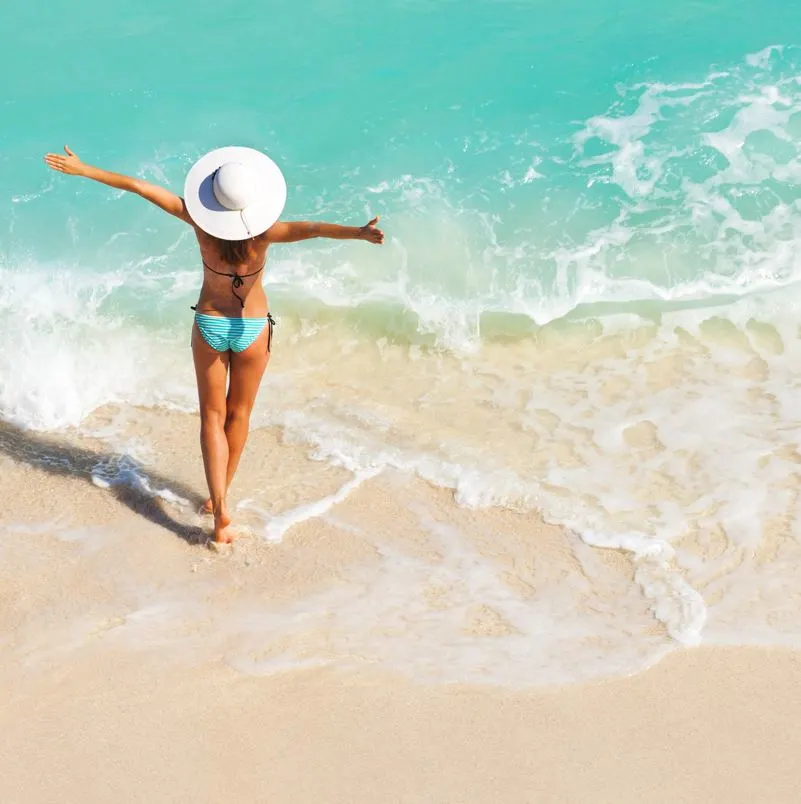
(233, 252)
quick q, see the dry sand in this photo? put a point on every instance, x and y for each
(705, 725)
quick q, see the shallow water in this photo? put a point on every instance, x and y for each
(586, 305)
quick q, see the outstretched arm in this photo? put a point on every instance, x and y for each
(292, 232)
(161, 197)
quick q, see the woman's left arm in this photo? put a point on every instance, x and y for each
(160, 196)
(293, 231)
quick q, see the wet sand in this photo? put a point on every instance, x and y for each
(383, 644)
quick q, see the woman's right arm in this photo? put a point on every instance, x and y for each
(160, 196)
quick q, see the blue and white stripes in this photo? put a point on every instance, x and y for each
(234, 334)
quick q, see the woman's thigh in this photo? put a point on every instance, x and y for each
(247, 369)
(211, 370)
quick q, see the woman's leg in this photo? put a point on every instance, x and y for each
(247, 369)
(211, 370)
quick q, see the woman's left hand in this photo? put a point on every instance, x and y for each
(371, 233)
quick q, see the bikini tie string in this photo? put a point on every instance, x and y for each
(236, 282)
(270, 324)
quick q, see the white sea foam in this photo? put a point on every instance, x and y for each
(122, 470)
(73, 352)
(276, 526)
(710, 209)
(449, 614)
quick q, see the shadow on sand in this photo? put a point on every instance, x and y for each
(66, 460)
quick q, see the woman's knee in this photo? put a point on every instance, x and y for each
(212, 417)
(237, 415)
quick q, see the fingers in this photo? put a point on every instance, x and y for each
(56, 162)
(64, 164)
(374, 221)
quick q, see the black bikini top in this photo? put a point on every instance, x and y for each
(236, 279)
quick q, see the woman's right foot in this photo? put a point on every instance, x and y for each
(222, 531)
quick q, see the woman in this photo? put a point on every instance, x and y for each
(233, 198)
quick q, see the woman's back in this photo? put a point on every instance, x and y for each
(232, 274)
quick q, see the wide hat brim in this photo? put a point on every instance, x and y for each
(226, 224)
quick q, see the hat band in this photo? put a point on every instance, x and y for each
(245, 222)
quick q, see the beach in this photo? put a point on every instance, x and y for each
(130, 675)
(519, 515)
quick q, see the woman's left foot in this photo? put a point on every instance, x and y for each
(207, 507)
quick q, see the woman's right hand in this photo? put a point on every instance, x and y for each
(69, 164)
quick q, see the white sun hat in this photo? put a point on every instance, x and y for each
(235, 193)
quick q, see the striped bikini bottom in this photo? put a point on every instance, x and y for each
(234, 334)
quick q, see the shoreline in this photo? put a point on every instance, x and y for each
(382, 567)
(342, 663)
(390, 571)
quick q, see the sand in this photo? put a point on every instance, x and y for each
(364, 657)
(704, 725)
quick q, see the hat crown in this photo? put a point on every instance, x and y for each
(234, 187)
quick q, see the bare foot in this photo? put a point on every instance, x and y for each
(207, 507)
(222, 533)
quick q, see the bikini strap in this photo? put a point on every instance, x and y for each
(236, 279)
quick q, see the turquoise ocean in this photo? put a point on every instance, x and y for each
(587, 303)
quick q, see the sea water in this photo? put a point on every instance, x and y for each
(587, 301)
